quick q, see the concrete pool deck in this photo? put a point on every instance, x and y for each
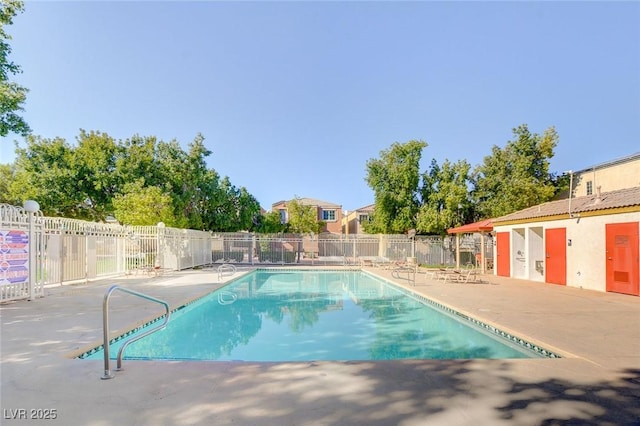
(596, 383)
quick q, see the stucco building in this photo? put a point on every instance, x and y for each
(586, 241)
(329, 213)
(353, 220)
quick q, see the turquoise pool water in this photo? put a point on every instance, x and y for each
(296, 315)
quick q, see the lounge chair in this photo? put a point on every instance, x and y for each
(366, 262)
(467, 276)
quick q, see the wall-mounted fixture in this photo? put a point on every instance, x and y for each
(569, 242)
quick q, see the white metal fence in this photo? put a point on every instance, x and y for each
(328, 249)
(37, 251)
(21, 242)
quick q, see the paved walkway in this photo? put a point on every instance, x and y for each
(597, 382)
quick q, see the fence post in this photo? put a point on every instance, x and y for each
(159, 260)
(31, 207)
(253, 248)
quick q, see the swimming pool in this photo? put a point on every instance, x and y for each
(274, 315)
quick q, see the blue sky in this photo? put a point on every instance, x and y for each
(294, 97)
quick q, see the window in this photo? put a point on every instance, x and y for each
(329, 215)
(589, 187)
(363, 218)
(283, 216)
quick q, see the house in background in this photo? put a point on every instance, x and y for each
(585, 241)
(352, 221)
(329, 213)
(608, 176)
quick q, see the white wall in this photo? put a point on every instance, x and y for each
(586, 256)
(535, 248)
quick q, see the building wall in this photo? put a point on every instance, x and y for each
(351, 223)
(609, 178)
(586, 253)
(333, 226)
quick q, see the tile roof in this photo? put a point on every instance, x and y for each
(312, 202)
(319, 203)
(621, 198)
(368, 208)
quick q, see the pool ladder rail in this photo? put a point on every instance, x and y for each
(226, 269)
(105, 327)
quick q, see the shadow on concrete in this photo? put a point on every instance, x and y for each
(566, 403)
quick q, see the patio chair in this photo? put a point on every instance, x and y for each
(382, 262)
(431, 273)
(467, 276)
(445, 274)
(366, 262)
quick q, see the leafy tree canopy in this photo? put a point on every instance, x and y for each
(394, 178)
(510, 179)
(85, 180)
(143, 205)
(444, 195)
(12, 95)
(269, 223)
(516, 176)
(6, 176)
(303, 219)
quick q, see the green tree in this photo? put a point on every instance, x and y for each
(82, 181)
(232, 209)
(94, 165)
(143, 205)
(517, 176)
(192, 182)
(248, 209)
(136, 158)
(6, 177)
(270, 223)
(44, 171)
(395, 178)
(445, 197)
(303, 219)
(12, 95)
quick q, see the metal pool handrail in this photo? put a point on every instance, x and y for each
(106, 333)
(226, 268)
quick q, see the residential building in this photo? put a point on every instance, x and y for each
(589, 240)
(352, 221)
(608, 176)
(330, 213)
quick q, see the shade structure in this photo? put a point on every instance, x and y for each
(480, 227)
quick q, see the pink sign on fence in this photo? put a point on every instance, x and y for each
(14, 257)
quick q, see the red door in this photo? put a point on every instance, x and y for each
(555, 247)
(622, 258)
(503, 249)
